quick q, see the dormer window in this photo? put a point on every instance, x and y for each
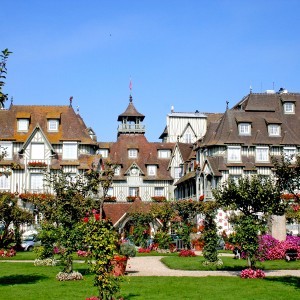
(274, 129)
(23, 125)
(151, 170)
(117, 171)
(245, 129)
(132, 153)
(53, 125)
(289, 108)
(164, 153)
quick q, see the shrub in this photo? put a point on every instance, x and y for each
(82, 253)
(7, 253)
(63, 276)
(128, 249)
(45, 262)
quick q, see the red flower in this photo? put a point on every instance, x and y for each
(97, 217)
(85, 220)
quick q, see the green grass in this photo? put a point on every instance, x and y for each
(26, 282)
(229, 264)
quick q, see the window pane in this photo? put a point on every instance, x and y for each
(244, 128)
(151, 170)
(69, 150)
(53, 125)
(6, 149)
(37, 151)
(36, 182)
(132, 153)
(234, 153)
(262, 154)
(158, 191)
(274, 129)
(134, 191)
(288, 107)
(178, 172)
(4, 182)
(23, 124)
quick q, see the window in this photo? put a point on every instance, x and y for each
(6, 149)
(70, 150)
(134, 191)
(36, 182)
(117, 171)
(234, 153)
(164, 153)
(289, 107)
(177, 172)
(187, 138)
(245, 129)
(274, 130)
(235, 178)
(132, 153)
(110, 192)
(262, 154)
(37, 151)
(151, 170)
(158, 191)
(23, 124)
(290, 153)
(4, 182)
(53, 125)
(103, 152)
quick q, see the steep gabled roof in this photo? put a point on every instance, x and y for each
(71, 125)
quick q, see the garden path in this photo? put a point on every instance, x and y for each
(152, 266)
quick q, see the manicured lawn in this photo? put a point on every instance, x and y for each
(230, 264)
(26, 282)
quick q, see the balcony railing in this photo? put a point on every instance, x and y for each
(130, 128)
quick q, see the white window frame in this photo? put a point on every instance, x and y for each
(53, 125)
(117, 171)
(37, 151)
(244, 129)
(36, 182)
(110, 192)
(164, 153)
(177, 172)
(291, 152)
(274, 129)
(132, 153)
(262, 154)
(23, 125)
(4, 182)
(234, 153)
(68, 152)
(187, 138)
(7, 149)
(159, 191)
(289, 107)
(103, 152)
(151, 170)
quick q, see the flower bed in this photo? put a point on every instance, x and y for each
(187, 253)
(158, 198)
(7, 253)
(144, 250)
(250, 273)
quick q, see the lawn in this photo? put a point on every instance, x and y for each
(229, 264)
(26, 282)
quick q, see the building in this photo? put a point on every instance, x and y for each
(243, 141)
(38, 139)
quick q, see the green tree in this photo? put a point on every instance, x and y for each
(3, 71)
(11, 216)
(255, 199)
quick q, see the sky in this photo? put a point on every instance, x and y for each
(190, 54)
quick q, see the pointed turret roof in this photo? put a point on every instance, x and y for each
(130, 113)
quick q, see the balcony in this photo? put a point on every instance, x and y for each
(131, 128)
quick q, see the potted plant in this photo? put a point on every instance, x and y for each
(131, 198)
(158, 198)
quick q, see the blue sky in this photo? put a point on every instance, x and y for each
(192, 54)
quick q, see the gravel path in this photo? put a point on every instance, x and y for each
(152, 266)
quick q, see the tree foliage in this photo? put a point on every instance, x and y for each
(11, 216)
(255, 199)
(3, 71)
